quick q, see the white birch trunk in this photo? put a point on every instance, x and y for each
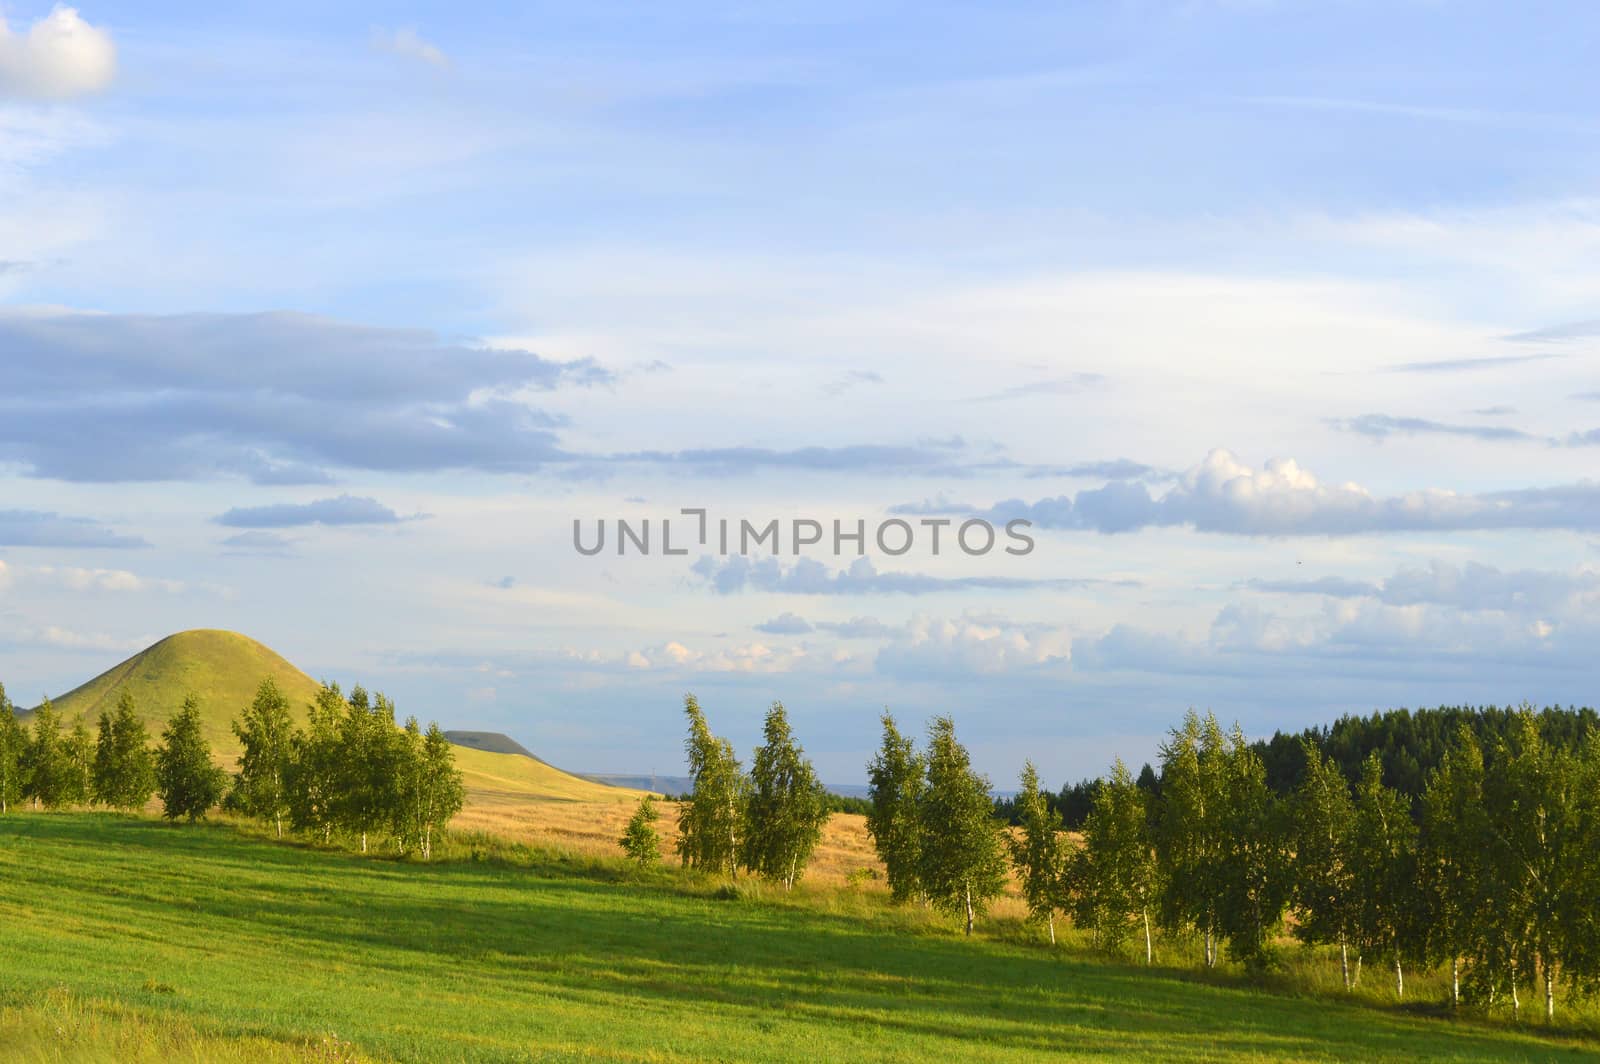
(1549, 993)
(1399, 978)
(1149, 952)
(1051, 923)
(969, 908)
(1455, 982)
(1344, 961)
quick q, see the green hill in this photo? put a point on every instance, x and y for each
(221, 669)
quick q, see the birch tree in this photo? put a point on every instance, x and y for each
(1038, 853)
(267, 736)
(79, 748)
(315, 769)
(1190, 828)
(47, 770)
(709, 821)
(1384, 852)
(640, 841)
(1117, 871)
(1254, 880)
(1453, 848)
(1542, 823)
(1324, 884)
(962, 866)
(785, 806)
(896, 780)
(13, 746)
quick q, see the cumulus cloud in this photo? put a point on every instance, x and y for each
(944, 647)
(277, 397)
(807, 576)
(113, 580)
(1221, 494)
(343, 510)
(58, 57)
(407, 43)
(36, 528)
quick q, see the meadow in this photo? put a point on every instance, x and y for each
(129, 939)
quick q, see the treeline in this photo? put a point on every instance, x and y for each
(352, 771)
(1497, 875)
(1410, 744)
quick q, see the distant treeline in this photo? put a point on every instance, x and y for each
(1409, 743)
(352, 771)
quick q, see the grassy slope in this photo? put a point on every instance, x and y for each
(220, 936)
(223, 670)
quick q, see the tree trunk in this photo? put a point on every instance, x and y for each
(1399, 977)
(1549, 993)
(1357, 981)
(969, 908)
(1516, 1002)
(1344, 960)
(1455, 982)
(1051, 922)
(363, 842)
(279, 818)
(1149, 953)
(1211, 953)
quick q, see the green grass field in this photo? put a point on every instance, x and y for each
(127, 939)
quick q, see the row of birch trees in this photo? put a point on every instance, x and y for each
(352, 771)
(1493, 874)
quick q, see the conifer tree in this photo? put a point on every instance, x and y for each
(1384, 862)
(640, 841)
(1117, 866)
(896, 780)
(47, 770)
(709, 821)
(1039, 853)
(267, 736)
(963, 864)
(124, 768)
(785, 806)
(189, 782)
(13, 750)
(1324, 888)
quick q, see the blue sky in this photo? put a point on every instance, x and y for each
(1279, 319)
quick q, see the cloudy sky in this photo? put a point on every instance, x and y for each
(1280, 321)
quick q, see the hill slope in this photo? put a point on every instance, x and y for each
(491, 741)
(223, 670)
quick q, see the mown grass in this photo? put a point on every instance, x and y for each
(122, 938)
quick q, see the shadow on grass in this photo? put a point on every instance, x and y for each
(611, 944)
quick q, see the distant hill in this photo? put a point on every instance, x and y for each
(224, 669)
(221, 669)
(683, 784)
(491, 741)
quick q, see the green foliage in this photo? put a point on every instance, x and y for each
(266, 736)
(47, 768)
(897, 778)
(124, 768)
(189, 783)
(640, 840)
(1321, 820)
(1255, 880)
(1115, 873)
(429, 790)
(1038, 853)
(1453, 856)
(80, 752)
(708, 823)
(962, 865)
(316, 769)
(1190, 829)
(13, 753)
(785, 807)
(1384, 866)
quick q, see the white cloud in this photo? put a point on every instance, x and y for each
(409, 44)
(58, 57)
